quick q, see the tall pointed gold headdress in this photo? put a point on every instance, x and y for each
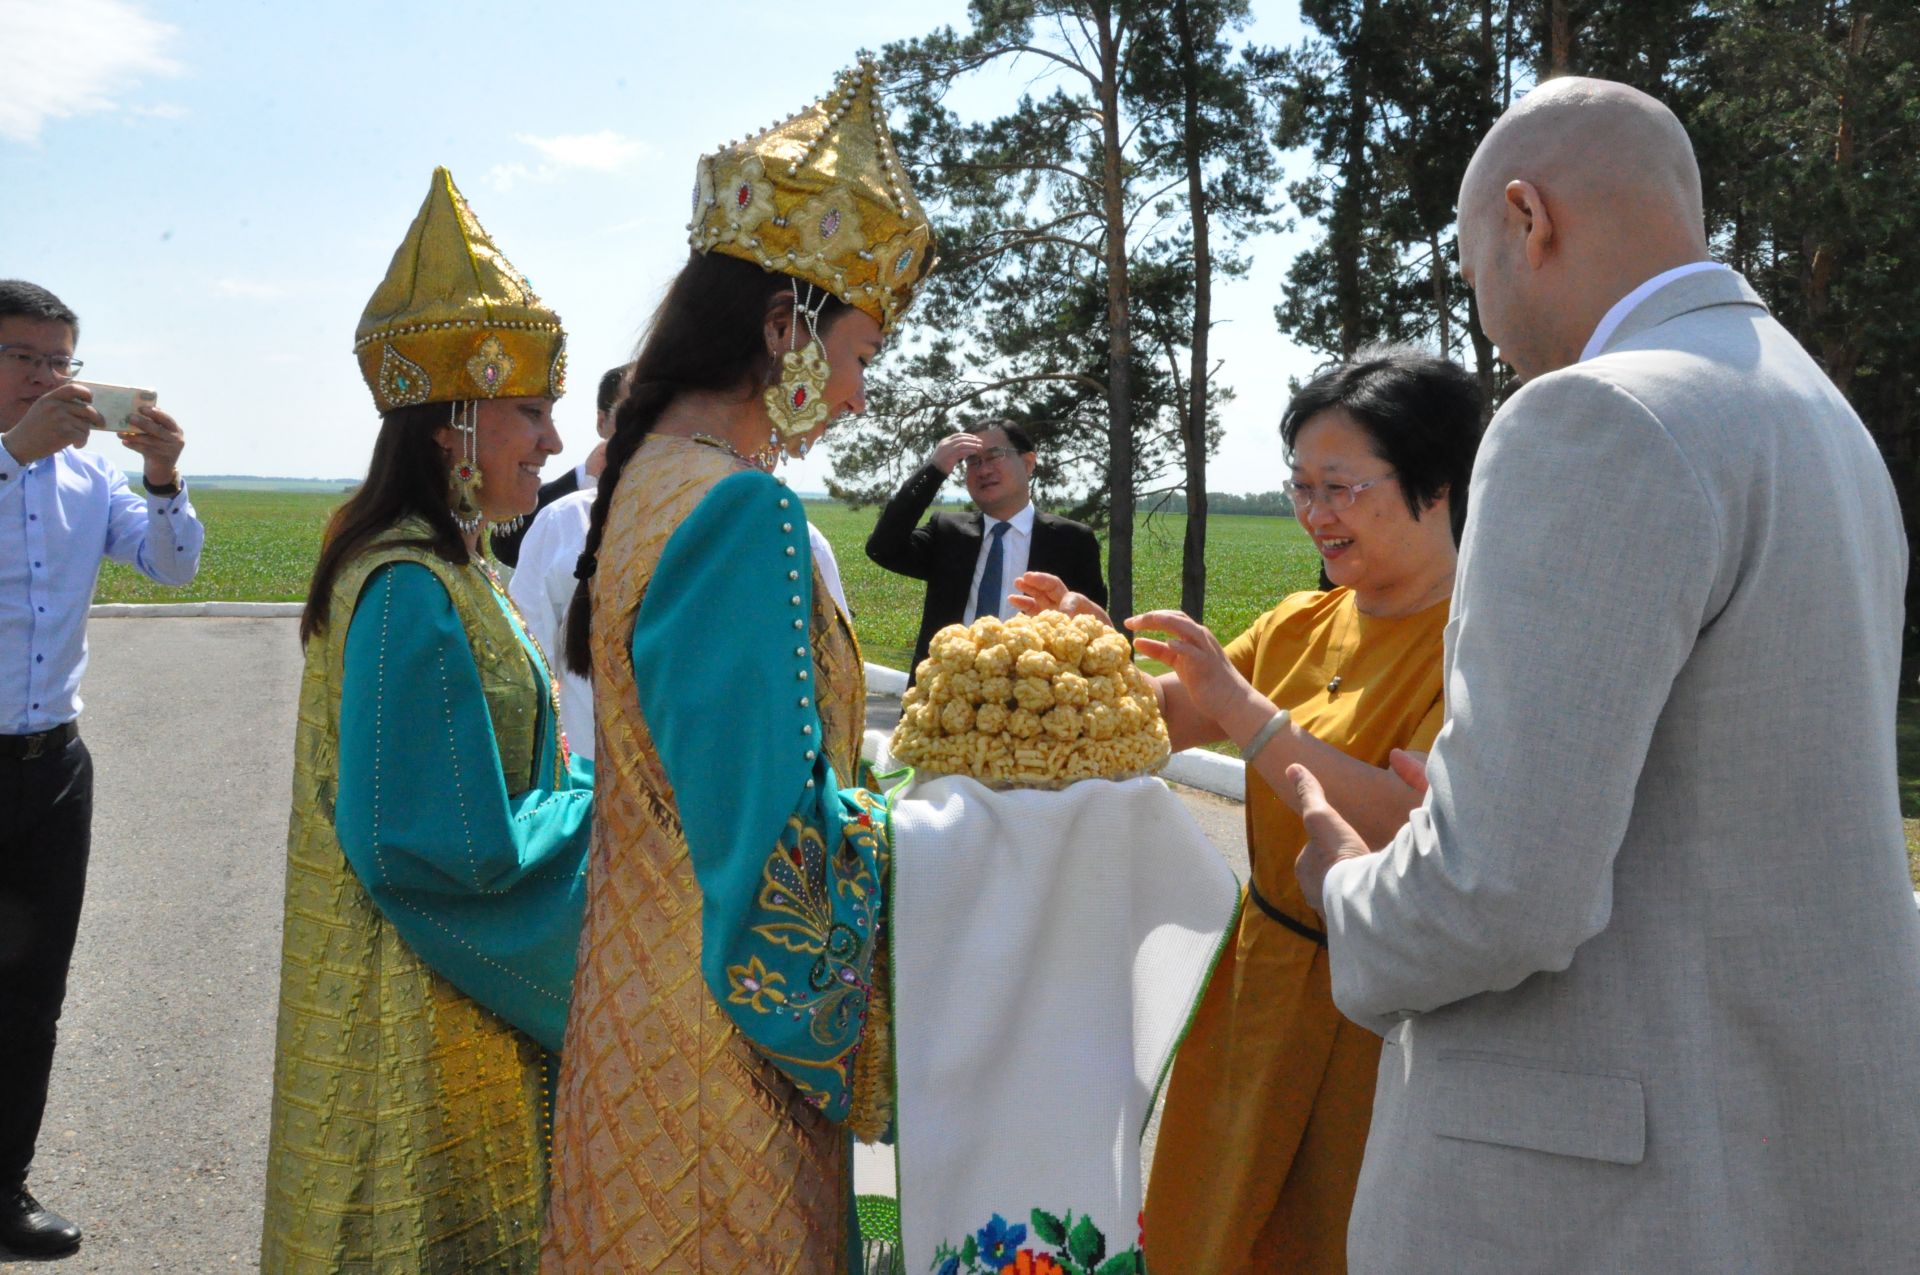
(453, 320)
(821, 197)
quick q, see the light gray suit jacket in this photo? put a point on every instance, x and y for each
(1647, 959)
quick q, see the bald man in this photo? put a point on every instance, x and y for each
(1647, 959)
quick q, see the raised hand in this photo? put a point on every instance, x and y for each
(1330, 838)
(1410, 768)
(1200, 662)
(1036, 591)
(159, 440)
(953, 449)
(59, 418)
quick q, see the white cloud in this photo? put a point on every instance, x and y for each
(71, 57)
(161, 111)
(603, 152)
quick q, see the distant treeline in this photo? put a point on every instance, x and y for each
(1270, 504)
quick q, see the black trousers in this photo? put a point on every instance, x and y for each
(46, 827)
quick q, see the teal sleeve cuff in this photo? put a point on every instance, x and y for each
(487, 887)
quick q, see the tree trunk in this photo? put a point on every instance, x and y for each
(1559, 38)
(1346, 221)
(1482, 349)
(1119, 329)
(1442, 303)
(1839, 353)
(1193, 554)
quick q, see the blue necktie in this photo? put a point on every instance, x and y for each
(988, 601)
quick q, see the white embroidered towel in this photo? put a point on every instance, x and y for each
(1048, 949)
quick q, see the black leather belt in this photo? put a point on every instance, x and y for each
(38, 744)
(1301, 928)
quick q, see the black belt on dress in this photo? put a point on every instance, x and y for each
(38, 744)
(1301, 928)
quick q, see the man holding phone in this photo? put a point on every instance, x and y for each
(62, 510)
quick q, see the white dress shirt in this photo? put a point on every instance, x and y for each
(829, 567)
(1625, 305)
(542, 587)
(1015, 548)
(58, 518)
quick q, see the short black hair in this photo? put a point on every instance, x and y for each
(1021, 440)
(1424, 415)
(18, 298)
(609, 391)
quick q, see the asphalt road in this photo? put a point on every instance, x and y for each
(156, 1132)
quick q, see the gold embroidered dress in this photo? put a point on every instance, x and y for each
(408, 1120)
(683, 1142)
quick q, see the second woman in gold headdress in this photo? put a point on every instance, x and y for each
(729, 1015)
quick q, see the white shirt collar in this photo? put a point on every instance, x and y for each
(1021, 522)
(1625, 305)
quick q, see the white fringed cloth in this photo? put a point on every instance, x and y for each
(1048, 949)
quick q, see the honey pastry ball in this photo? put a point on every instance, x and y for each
(1036, 701)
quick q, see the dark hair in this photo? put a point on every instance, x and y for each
(1423, 414)
(20, 299)
(609, 390)
(407, 478)
(1021, 440)
(706, 337)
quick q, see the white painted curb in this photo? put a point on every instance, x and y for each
(1196, 767)
(193, 610)
(882, 680)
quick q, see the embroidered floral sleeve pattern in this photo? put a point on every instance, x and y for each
(813, 937)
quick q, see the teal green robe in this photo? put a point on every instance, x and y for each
(487, 886)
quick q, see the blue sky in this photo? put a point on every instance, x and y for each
(216, 187)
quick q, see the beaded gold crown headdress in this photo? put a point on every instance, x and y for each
(821, 197)
(453, 320)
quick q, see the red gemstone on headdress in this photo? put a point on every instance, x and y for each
(743, 196)
(800, 397)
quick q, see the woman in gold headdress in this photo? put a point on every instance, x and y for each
(436, 854)
(728, 1020)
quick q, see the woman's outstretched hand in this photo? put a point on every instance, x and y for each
(1196, 657)
(1036, 591)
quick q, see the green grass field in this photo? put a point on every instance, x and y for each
(261, 546)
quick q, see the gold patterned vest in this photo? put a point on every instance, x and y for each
(677, 1146)
(407, 1122)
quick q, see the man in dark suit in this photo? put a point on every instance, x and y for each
(506, 544)
(970, 560)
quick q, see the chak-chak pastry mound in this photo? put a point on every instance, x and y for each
(1032, 702)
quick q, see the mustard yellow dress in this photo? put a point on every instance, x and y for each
(728, 1025)
(1272, 1091)
(408, 1121)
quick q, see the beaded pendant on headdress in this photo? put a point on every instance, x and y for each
(821, 197)
(453, 320)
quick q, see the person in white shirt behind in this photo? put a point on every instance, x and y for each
(542, 587)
